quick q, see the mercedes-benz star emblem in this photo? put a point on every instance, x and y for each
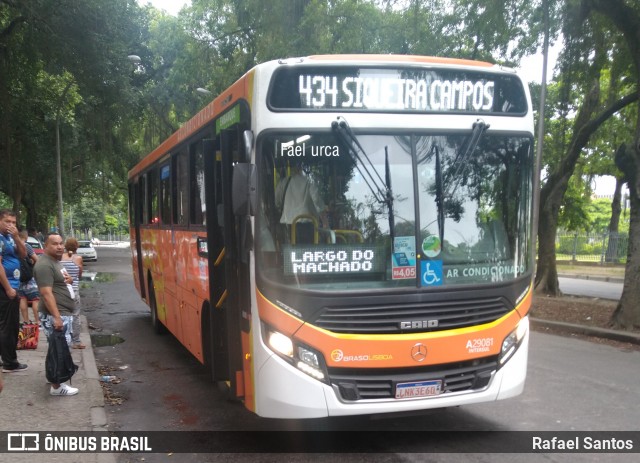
(419, 352)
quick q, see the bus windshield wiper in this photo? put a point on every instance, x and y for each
(460, 163)
(380, 190)
(439, 194)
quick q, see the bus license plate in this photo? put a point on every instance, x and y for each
(421, 389)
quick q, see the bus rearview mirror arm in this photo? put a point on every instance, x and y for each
(247, 136)
(243, 198)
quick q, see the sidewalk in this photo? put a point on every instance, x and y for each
(585, 276)
(615, 335)
(27, 406)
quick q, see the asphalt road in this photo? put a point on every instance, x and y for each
(572, 385)
(590, 288)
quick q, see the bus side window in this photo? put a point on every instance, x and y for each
(142, 191)
(181, 189)
(152, 198)
(165, 194)
(198, 209)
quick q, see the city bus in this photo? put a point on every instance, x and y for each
(405, 287)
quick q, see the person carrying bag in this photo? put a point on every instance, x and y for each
(56, 310)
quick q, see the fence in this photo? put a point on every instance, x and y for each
(603, 248)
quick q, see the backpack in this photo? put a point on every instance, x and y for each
(58, 365)
(26, 269)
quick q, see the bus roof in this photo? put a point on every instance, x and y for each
(401, 59)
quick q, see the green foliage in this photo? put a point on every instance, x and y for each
(5, 201)
(599, 212)
(89, 213)
(68, 59)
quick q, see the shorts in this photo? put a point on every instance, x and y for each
(29, 291)
(47, 325)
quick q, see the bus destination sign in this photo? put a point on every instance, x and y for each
(398, 90)
(376, 92)
(331, 260)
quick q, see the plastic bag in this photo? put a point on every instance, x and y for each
(59, 366)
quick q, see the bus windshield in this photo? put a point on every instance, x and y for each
(342, 211)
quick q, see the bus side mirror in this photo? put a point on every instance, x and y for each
(244, 189)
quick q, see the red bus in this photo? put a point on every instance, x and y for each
(341, 235)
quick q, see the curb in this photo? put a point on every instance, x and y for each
(98, 415)
(605, 278)
(99, 420)
(614, 335)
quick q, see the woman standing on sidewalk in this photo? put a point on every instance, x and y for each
(73, 263)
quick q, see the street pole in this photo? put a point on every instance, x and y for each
(58, 161)
(540, 134)
(59, 178)
(543, 85)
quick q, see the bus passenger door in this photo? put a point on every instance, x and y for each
(227, 280)
(136, 197)
(217, 346)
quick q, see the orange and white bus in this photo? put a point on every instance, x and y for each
(406, 282)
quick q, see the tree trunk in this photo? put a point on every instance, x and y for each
(627, 313)
(611, 255)
(546, 280)
(616, 206)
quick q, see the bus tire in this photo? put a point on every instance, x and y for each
(157, 325)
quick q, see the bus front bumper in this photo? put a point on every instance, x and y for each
(282, 391)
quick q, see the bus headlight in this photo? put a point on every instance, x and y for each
(302, 357)
(309, 362)
(309, 357)
(280, 343)
(512, 341)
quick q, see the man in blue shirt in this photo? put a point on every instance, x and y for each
(12, 249)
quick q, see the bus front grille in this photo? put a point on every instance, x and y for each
(366, 384)
(408, 318)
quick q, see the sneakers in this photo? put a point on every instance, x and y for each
(14, 368)
(64, 389)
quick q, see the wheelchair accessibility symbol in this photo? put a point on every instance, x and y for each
(431, 272)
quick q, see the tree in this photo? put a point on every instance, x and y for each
(625, 17)
(88, 214)
(68, 40)
(599, 216)
(585, 58)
